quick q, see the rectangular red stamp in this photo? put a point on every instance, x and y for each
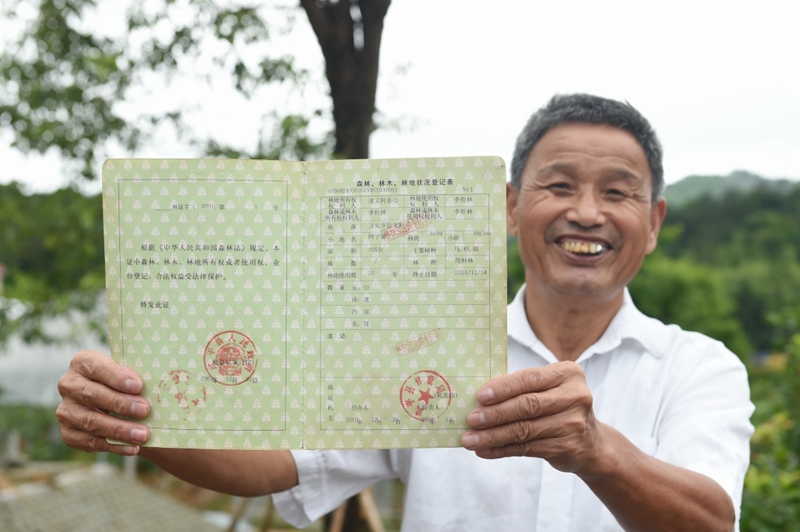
(423, 340)
(403, 228)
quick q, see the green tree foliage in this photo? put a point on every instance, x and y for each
(690, 295)
(695, 187)
(64, 85)
(516, 271)
(59, 85)
(750, 240)
(38, 430)
(764, 222)
(762, 288)
(771, 500)
(52, 247)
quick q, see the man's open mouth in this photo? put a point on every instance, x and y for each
(583, 247)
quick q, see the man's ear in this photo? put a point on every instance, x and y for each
(657, 213)
(512, 196)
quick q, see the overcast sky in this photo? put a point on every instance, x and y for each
(718, 79)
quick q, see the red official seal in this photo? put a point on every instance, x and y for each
(426, 395)
(423, 340)
(403, 228)
(181, 386)
(230, 358)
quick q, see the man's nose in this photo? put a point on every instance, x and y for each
(586, 210)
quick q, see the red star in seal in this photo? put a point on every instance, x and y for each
(425, 396)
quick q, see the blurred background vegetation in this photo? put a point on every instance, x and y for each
(727, 262)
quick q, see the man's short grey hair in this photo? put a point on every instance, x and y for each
(586, 108)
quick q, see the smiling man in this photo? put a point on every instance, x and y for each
(642, 426)
(608, 420)
(585, 211)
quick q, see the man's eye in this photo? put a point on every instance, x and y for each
(615, 192)
(558, 186)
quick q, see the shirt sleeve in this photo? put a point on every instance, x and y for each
(327, 479)
(705, 424)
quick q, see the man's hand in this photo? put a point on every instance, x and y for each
(94, 387)
(544, 412)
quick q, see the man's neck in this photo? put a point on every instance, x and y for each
(566, 324)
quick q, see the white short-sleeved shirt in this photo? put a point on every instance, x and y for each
(678, 396)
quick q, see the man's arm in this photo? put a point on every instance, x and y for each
(547, 412)
(645, 493)
(240, 473)
(95, 386)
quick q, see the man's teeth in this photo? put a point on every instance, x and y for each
(582, 248)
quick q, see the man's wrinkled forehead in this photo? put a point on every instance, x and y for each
(603, 140)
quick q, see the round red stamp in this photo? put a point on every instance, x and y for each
(230, 358)
(426, 395)
(180, 385)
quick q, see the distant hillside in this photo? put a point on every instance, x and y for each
(716, 186)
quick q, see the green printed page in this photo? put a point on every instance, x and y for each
(307, 305)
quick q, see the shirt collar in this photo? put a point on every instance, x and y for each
(628, 324)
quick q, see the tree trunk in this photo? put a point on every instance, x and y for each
(349, 33)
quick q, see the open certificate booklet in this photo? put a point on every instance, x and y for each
(288, 305)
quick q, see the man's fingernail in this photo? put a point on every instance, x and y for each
(138, 435)
(485, 394)
(470, 440)
(138, 409)
(131, 385)
(129, 449)
(476, 419)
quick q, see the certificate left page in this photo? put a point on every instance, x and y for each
(200, 271)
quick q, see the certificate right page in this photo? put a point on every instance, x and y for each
(408, 317)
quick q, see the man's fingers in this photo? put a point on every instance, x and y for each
(98, 396)
(93, 387)
(527, 406)
(78, 390)
(544, 412)
(534, 448)
(97, 367)
(79, 422)
(92, 444)
(526, 381)
(520, 432)
(80, 386)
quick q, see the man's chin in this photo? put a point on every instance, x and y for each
(586, 288)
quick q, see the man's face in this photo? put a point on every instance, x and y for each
(583, 213)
